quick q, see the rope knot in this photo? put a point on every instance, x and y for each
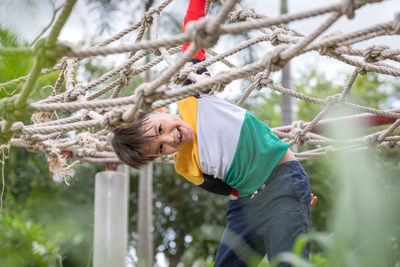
(275, 41)
(327, 50)
(84, 114)
(88, 142)
(113, 120)
(333, 100)
(74, 94)
(273, 60)
(299, 136)
(396, 23)
(148, 16)
(32, 143)
(373, 53)
(243, 14)
(264, 82)
(362, 70)
(125, 79)
(182, 75)
(200, 33)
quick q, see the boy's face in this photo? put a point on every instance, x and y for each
(170, 132)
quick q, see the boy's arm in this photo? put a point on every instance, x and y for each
(217, 186)
(194, 12)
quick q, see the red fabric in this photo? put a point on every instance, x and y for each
(234, 192)
(194, 12)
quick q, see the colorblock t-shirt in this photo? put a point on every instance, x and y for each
(229, 143)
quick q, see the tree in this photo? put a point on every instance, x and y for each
(38, 217)
(286, 101)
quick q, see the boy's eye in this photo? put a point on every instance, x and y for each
(161, 149)
(160, 129)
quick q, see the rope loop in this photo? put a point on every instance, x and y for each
(200, 33)
(373, 53)
(396, 23)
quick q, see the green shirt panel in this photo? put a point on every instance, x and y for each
(256, 155)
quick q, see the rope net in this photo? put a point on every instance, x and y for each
(94, 113)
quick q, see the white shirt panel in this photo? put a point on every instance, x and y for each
(218, 129)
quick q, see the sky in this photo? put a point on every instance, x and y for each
(26, 18)
(29, 17)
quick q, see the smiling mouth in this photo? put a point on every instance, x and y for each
(179, 136)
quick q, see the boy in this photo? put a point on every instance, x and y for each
(224, 149)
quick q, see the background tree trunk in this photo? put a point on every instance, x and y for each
(145, 206)
(287, 116)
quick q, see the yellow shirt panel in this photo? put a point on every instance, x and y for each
(187, 161)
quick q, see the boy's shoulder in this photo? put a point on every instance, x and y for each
(216, 103)
(210, 105)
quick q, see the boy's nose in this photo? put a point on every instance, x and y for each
(169, 139)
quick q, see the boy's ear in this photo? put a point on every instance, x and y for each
(162, 110)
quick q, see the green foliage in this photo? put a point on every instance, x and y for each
(62, 215)
(12, 67)
(181, 209)
(266, 107)
(24, 243)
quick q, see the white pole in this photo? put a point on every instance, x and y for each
(110, 219)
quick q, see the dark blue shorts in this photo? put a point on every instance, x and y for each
(268, 223)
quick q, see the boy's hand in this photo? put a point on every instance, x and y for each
(314, 200)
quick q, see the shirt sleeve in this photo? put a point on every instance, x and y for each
(216, 186)
(196, 10)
